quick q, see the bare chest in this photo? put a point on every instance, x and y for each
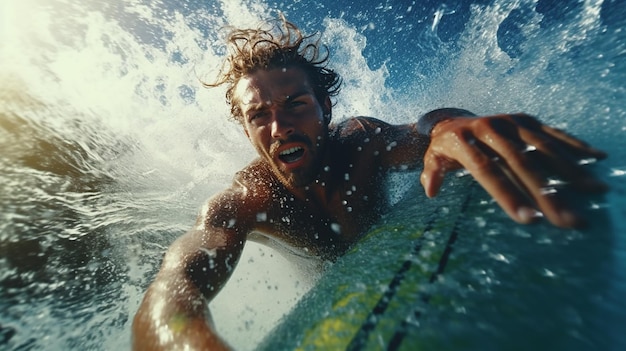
(326, 227)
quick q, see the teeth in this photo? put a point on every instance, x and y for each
(290, 151)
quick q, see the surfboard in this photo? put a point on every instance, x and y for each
(454, 272)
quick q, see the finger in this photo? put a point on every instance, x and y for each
(479, 159)
(433, 174)
(578, 146)
(508, 191)
(533, 124)
(554, 154)
(558, 151)
(527, 175)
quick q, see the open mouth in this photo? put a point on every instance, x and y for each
(291, 155)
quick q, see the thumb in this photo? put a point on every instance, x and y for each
(432, 175)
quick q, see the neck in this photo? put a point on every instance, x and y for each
(319, 189)
(321, 186)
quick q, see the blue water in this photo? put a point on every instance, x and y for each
(109, 144)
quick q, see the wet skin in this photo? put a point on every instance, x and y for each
(317, 186)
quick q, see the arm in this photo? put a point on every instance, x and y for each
(174, 312)
(512, 157)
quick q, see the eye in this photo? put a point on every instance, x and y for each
(256, 115)
(296, 103)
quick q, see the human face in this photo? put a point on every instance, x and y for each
(285, 122)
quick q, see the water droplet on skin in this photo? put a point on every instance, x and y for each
(377, 130)
(346, 176)
(284, 69)
(554, 182)
(587, 161)
(366, 140)
(462, 173)
(376, 153)
(548, 191)
(261, 217)
(349, 209)
(211, 253)
(327, 169)
(359, 149)
(391, 145)
(529, 148)
(336, 228)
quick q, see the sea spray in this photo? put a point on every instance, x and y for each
(110, 144)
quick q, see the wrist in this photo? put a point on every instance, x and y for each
(427, 122)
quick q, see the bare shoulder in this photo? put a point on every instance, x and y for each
(357, 127)
(394, 146)
(369, 129)
(255, 177)
(238, 204)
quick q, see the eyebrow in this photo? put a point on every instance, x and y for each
(298, 94)
(253, 107)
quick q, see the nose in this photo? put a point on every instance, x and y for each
(282, 126)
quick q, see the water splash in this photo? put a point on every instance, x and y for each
(110, 144)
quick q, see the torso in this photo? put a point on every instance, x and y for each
(353, 180)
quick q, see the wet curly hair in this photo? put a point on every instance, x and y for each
(281, 46)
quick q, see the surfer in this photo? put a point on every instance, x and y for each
(318, 185)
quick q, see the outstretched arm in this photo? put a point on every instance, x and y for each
(522, 163)
(174, 312)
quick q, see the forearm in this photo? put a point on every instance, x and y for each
(174, 312)
(173, 315)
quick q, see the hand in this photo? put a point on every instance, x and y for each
(514, 157)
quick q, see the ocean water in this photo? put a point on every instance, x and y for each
(109, 145)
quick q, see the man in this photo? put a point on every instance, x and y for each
(317, 186)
